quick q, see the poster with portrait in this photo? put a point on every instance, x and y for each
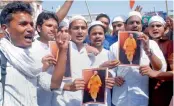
(94, 92)
(55, 52)
(129, 50)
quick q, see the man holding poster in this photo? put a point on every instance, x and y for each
(134, 90)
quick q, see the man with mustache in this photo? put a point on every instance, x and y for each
(161, 91)
(133, 90)
(23, 65)
(96, 33)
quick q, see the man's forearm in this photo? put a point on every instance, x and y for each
(165, 75)
(59, 70)
(63, 11)
(155, 61)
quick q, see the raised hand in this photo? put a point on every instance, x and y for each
(138, 8)
(62, 40)
(145, 41)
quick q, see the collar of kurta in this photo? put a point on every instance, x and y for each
(74, 46)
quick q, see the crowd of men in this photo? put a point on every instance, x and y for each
(33, 77)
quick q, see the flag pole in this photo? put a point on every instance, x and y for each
(166, 7)
(88, 10)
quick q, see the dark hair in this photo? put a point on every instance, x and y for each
(46, 15)
(12, 8)
(89, 30)
(102, 15)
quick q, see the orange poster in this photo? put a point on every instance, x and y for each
(54, 48)
(129, 51)
(94, 92)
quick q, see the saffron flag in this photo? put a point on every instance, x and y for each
(131, 3)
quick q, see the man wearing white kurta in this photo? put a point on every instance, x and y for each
(96, 33)
(22, 69)
(134, 91)
(79, 61)
(21, 79)
(47, 27)
(47, 98)
(72, 93)
(23, 64)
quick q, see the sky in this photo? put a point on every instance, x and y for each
(112, 8)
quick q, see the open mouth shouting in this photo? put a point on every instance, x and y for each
(28, 38)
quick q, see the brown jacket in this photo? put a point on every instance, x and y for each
(160, 92)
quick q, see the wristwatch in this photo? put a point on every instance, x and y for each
(149, 52)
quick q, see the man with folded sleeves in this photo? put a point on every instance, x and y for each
(161, 91)
(131, 87)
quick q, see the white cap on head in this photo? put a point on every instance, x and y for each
(95, 23)
(157, 19)
(118, 19)
(77, 17)
(135, 13)
(64, 23)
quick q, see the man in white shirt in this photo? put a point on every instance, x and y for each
(23, 66)
(47, 27)
(133, 90)
(96, 33)
(79, 60)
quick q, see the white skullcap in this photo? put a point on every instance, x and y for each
(157, 19)
(118, 18)
(95, 23)
(77, 17)
(64, 23)
(135, 13)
